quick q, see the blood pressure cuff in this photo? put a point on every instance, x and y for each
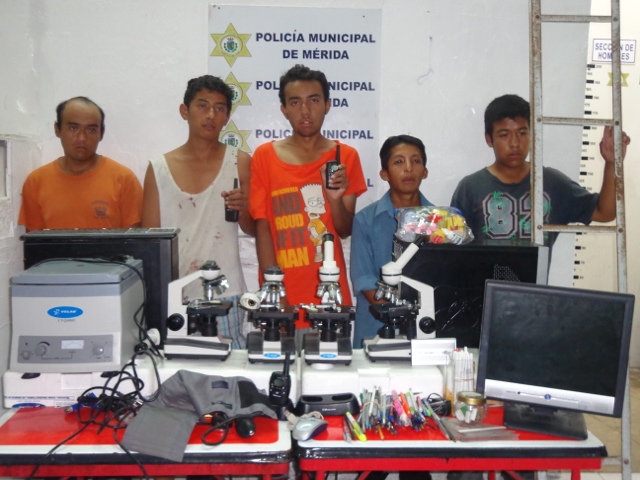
(162, 428)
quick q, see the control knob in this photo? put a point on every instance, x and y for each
(175, 322)
(427, 325)
(42, 349)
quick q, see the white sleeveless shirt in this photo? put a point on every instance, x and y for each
(204, 233)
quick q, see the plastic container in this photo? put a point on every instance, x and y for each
(470, 407)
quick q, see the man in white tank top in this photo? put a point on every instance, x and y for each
(189, 188)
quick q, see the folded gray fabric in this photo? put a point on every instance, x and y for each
(162, 427)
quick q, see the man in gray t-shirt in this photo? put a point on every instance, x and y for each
(496, 201)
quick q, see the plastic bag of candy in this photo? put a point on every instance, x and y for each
(435, 224)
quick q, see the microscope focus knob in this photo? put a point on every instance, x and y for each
(427, 325)
(175, 322)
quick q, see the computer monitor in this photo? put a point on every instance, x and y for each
(551, 353)
(156, 247)
(458, 274)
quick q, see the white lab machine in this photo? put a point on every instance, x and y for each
(75, 316)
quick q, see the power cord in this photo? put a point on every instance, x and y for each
(108, 408)
(439, 405)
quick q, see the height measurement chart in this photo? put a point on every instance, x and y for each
(595, 256)
(595, 253)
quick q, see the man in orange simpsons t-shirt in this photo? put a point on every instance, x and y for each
(81, 189)
(289, 200)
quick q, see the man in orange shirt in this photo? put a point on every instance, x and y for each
(81, 189)
(290, 200)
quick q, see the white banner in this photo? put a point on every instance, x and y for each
(251, 47)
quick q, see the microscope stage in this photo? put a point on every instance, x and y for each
(317, 351)
(217, 348)
(265, 351)
(398, 348)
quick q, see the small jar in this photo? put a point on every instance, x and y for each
(471, 407)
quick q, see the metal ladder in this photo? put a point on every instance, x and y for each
(536, 18)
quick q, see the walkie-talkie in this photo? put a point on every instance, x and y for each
(231, 215)
(332, 167)
(280, 384)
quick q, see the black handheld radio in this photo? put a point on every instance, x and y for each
(231, 215)
(332, 167)
(280, 384)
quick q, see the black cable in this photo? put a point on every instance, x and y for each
(138, 383)
(131, 456)
(132, 364)
(124, 419)
(37, 466)
(220, 421)
(439, 405)
(111, 409)
(114, 411)
(112, 402)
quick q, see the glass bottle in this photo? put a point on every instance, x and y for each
(471, 407)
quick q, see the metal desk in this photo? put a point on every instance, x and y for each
(429, 450)
(27, 434)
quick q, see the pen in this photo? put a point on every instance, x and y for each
(401, 415)
(391, 415)
(346, 431)
(405, 403)
(370, 409)
(383, 409)
(355, 428)
(362, 419)
(417, 402)
(375, 408)
(378, 428)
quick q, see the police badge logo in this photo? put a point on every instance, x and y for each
(230, 44)
(235, 138)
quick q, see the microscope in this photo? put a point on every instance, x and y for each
(275, 338)
(192, 326)
(407, 314)
(331, 343)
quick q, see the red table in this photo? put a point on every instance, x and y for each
(429, 450)
(27, 434)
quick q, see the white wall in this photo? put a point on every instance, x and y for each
(442, 61)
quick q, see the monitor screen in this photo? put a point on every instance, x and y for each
(156, 247)
(552, 351)
(458, 274)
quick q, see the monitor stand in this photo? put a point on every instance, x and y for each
(546, 420)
